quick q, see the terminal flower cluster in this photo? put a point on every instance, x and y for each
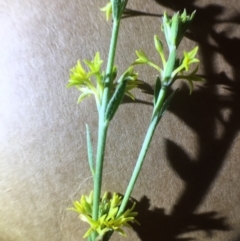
(108, 214)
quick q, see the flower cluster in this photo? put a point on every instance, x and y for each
(82, 79)
(173, 69)
(108, 214)
(91, 82)
(175, 27)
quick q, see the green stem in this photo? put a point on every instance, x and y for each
(143, 152)
(111, 57)
(138, 165)
(102, 134)
(103, 125)
(153, 124)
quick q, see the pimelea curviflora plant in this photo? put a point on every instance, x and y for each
(110, 213)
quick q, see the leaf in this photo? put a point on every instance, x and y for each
(157, 89)
(158, 44)
(82, 97)
(115, 100)
(90, 150)
(108, 10)
(159, 47)
(88, 233)
(175, 28)
(190, 83)
(169, 66)
(116, 9)
(166, 103)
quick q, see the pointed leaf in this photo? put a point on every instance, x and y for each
(190, 83)
(108, 10)
(116, 9)
(115, 100)
(90, 150)
(157, 89)
(166, 104)
(170, 66)
(82, 97)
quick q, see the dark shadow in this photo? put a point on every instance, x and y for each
(214, 105)
(145, 88)
(156, 225)
(134, 13)
(237, 238)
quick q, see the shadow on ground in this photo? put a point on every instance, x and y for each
(213, 105)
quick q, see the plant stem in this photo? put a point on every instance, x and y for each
(111, 57)
(153, 124)
(169, 67)
(103, 125)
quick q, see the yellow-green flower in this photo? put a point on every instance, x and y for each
(143, 59)
(108, 220)
(189, 58)
(84, 80)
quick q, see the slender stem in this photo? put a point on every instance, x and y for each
(143, 152)
(111, 57)
(153, 124)
(103, 126)
(138, 165)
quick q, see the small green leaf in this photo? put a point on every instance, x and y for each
(116, 100)
(159, 47)
(114, 73)
(108, 10)
(82, 97)
(158, 44)
(175, 28)
(166, 104)
(90, 151)
(166, 26)
(169, 67)
(157, 89)
(89, 231)
(116, 9)
(190, 83)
